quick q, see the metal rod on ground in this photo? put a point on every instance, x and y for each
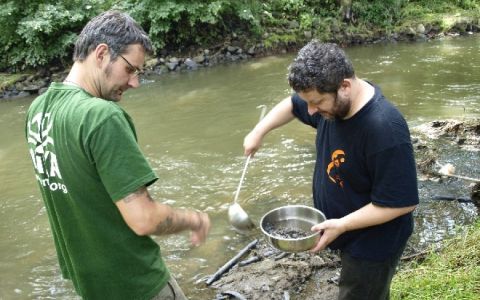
(231, 263)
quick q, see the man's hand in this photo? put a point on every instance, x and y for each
(280, 115)
(369, 215)
(329, 231)
(252, 143)
(199, 234)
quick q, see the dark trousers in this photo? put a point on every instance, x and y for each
(366, 280)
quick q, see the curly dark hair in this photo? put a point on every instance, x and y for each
(320, 66)
(116, 29)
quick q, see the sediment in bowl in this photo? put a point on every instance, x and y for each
(292, 219)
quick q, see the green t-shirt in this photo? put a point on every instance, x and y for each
(86, 157)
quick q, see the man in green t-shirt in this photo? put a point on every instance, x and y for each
(93, 176)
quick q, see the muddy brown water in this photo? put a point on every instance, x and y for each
(191, 128)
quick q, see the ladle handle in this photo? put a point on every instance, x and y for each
(262, 114)
(241, 178)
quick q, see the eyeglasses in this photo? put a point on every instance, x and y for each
(134, 70)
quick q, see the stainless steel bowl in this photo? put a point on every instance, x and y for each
(287, 228)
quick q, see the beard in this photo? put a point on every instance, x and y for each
(341, 107)
(106, 92)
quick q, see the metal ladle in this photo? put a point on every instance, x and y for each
(236, 214)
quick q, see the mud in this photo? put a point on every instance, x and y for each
(287, 231)
(281, 275)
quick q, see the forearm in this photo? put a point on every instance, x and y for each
(371, 215)
(167, 220)
(146, 216)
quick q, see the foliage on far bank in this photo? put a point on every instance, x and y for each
(41, 33)
(452, 273)
(37, 33)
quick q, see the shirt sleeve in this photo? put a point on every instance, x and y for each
(119, 161)
(394, 176)
(300, 111)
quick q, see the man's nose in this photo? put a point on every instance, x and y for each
(134, 81)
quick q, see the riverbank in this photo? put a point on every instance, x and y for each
(447, 271)
(452, 264)
(234, 49)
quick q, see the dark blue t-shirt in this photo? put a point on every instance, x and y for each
(366, 158)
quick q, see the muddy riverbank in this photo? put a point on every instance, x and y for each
(267, 273)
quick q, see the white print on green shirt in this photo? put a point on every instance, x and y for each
(44, 159)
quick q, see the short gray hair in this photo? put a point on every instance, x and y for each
(116, 29)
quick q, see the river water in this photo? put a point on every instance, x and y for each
(191, 127)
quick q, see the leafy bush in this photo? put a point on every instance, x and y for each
(35, 33)
(176, 25)
(381, 13)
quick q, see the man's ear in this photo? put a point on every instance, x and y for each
(101, 53)
(345, 88)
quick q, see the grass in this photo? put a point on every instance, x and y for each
(453, 273)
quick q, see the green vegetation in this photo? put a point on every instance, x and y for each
(453, 273)
(41, 32)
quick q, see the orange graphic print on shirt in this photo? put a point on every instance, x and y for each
(338, 157)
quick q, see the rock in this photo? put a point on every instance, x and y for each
(30, 88)
(151, 63)
(172, 66)
(190, 64)
(411, 32)
(42, 90)
(232, 49)
(420, 28)
(21, 95)
(421, 38)
(161, 69)
(199, 59)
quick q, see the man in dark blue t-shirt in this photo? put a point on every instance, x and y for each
(365, 178)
